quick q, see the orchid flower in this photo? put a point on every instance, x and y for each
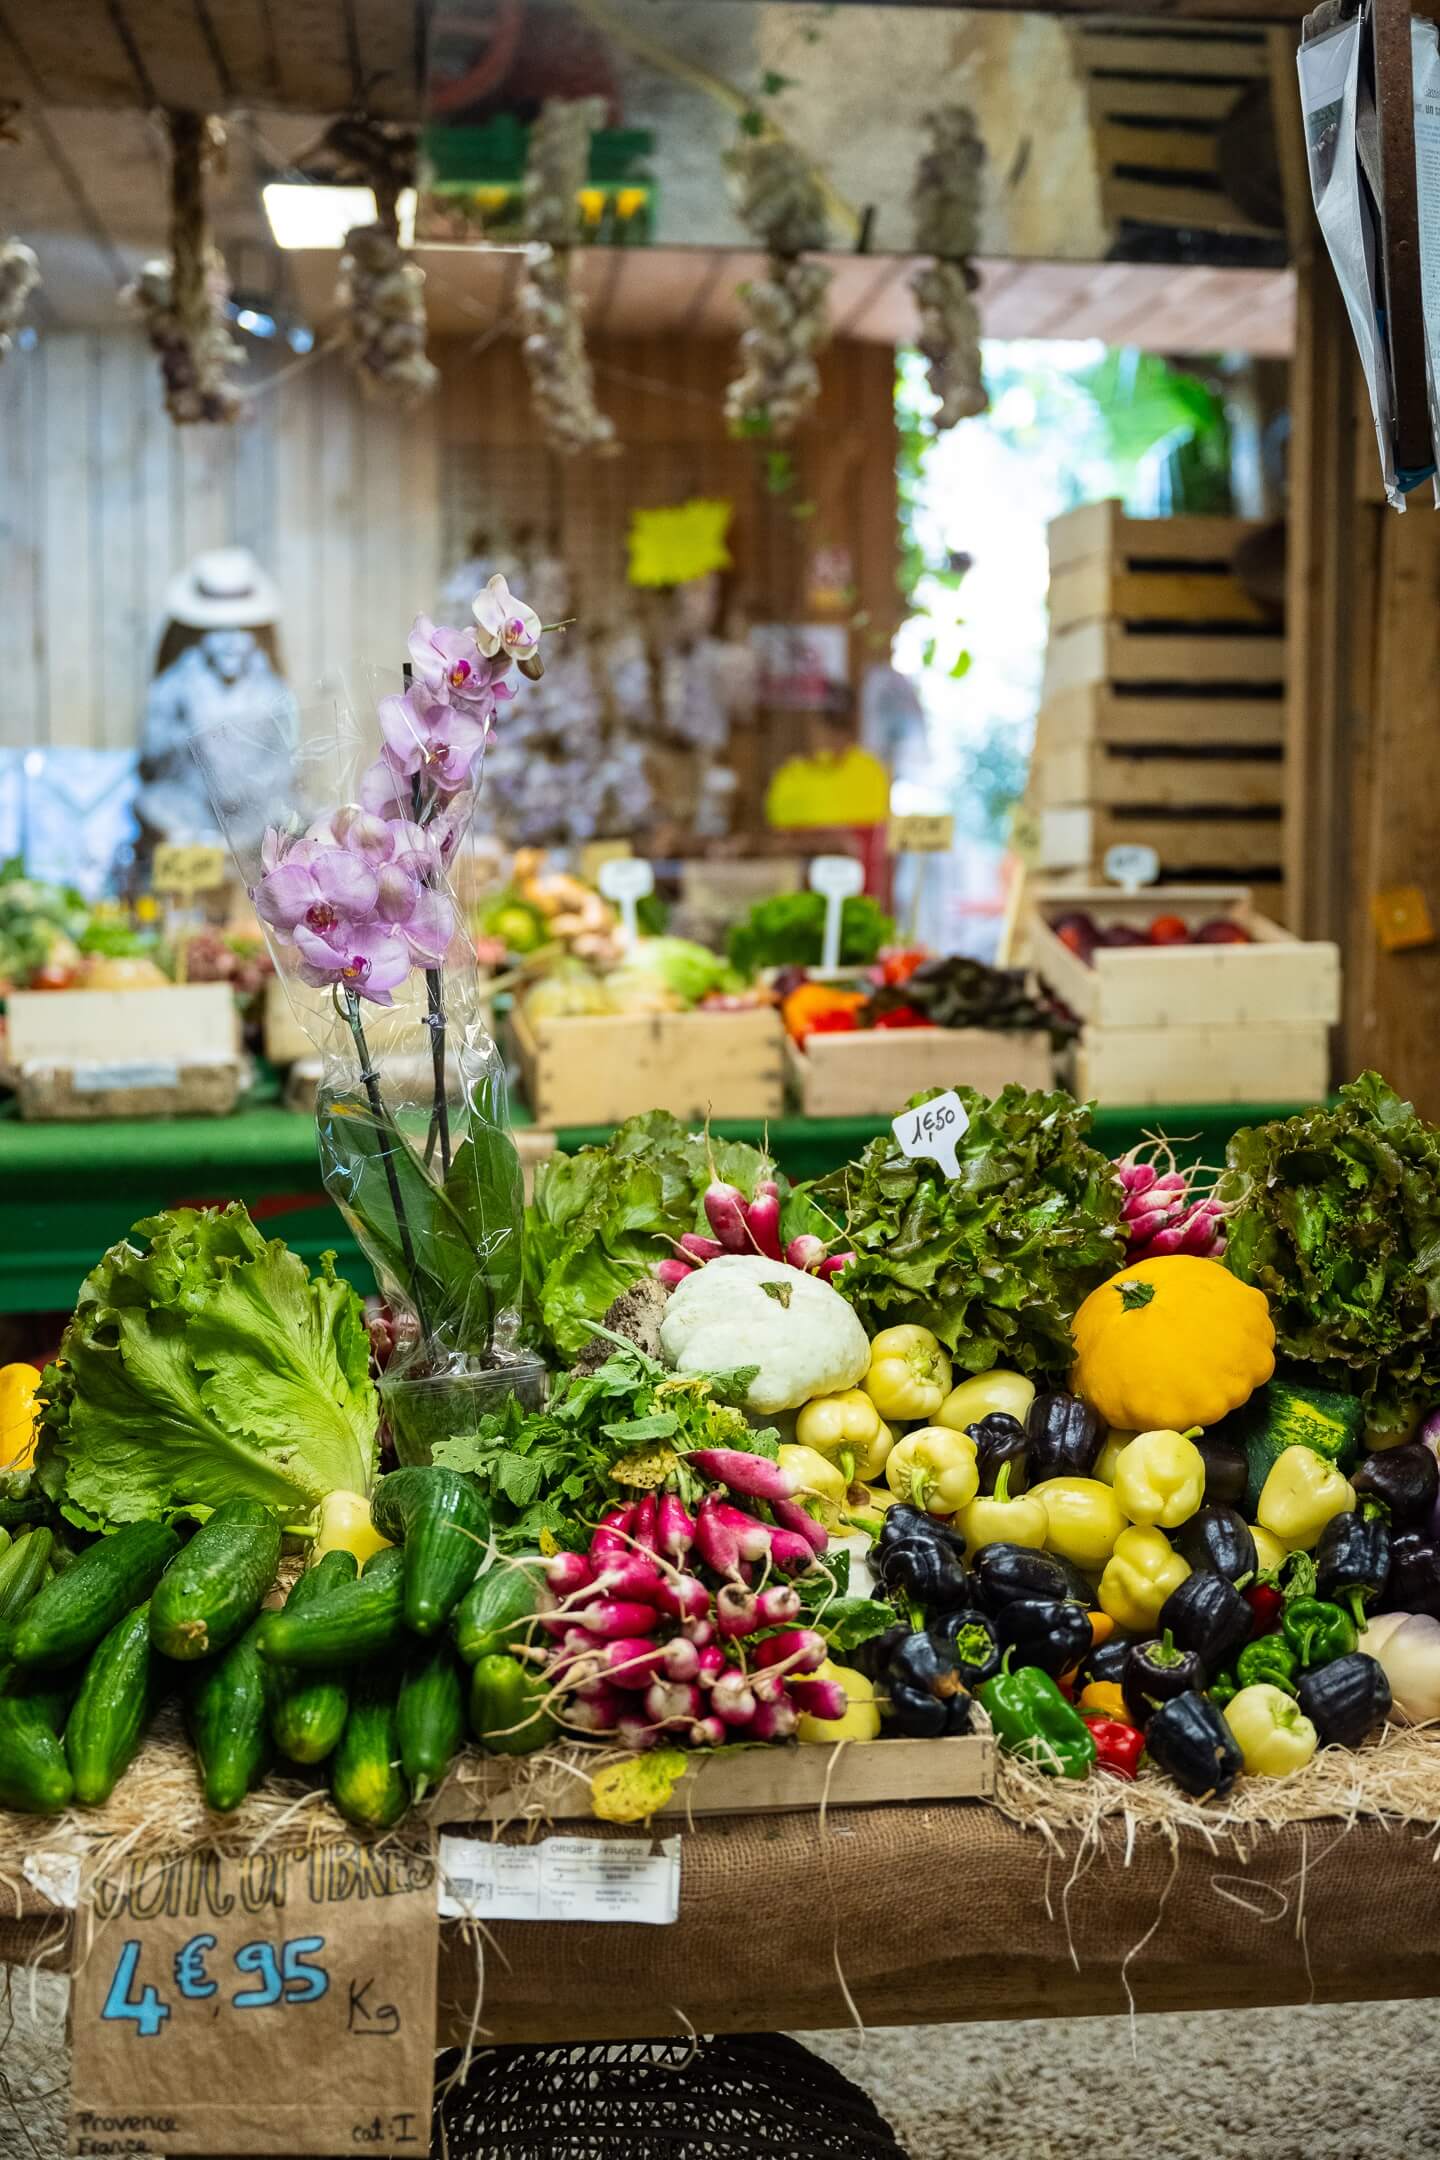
(448, 664)
(441, 742)
(505, 624)
(367, 958)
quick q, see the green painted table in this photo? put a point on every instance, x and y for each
(69, 1191)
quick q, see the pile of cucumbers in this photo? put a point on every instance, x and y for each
(375, 1673)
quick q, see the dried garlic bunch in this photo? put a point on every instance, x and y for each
(183, 300)
(945, 200)
(381, 294)
(561, 379)
(779, 198)
(19, 276)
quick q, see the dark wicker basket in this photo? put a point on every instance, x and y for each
(741, 2096)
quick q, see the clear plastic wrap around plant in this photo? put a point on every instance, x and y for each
(351, 882)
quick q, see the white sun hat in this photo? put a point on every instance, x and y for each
(224, 589)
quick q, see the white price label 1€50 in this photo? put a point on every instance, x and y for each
(932, 1132)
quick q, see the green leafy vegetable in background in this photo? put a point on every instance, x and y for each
(996, 1260)
(1335, 1215)
(204, 1364)
(602, 1437)
(788, 930)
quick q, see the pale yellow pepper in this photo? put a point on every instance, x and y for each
(861, 1720)
(1139, 1575)
(934, 1469)
(909, 1373)
(823, 1483)
(19, 1415)
(995, 1519)
(983, 1393)
(1302, 1493)
(849, 1431)
(345, 1526)
(1269, 1552)
(1116, 1442)
(1160, 1478)
(1082, 1519)
(1274, 1734)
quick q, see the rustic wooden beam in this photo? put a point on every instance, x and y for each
(1253, 14)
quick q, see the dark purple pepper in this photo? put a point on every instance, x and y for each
(1406, 1479)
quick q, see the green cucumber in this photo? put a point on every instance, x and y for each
(365, 1778)
(308, 1710)
(348, 1626)
(214, 1589)
(34, 1775)
(443, 1525)
(430, 1716)
(229, 1722)
(112, 1709)
(508, 1713)
(23, 1568)
(487, 1619)
(69, 1615)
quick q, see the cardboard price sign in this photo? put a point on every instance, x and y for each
(185, 869)
(921, 834)
(282, 2003)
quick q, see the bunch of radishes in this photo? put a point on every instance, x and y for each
(683, 1626)
(1167, 1210)
(747, 1226)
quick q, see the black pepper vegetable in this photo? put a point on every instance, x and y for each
(1049, 1632)
(1346, 1699)
(1000, 1439)
(1106, 1661)
(1156, 1672)
(1190, 1741)
(973, 1644)
(1352, 1559)
(1218, 1538)
(903, 1522)
(1414, 1584)
(1227, 1469)
(925, 1683)
(1207, 1614)
(1004, 1572)
(1406, 1479)
(929, 1573)
(1064, 1436)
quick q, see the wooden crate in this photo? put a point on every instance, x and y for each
(601, 1069)
(1094, 715)
(874, 1074)
(1197, 848)
(1276, 981)
(748, 1781)
(1134, 1067)
(1119, 652)
(91, 1055)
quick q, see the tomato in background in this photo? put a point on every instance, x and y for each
(1169, 930)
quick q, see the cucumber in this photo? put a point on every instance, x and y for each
(365, 1778)
(112, 1709)
(487, 1618)
(23, 1567)
(348, 1626)
(308, 1710)
(430, 1716)
(443, 1525)
(70, 1614)
(214, 1589)
(229, 1722)
(34, 1775)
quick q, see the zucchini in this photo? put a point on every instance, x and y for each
(229, 1722)
(1281, 1415)
(214, 1589)
(487, 1618)
(34, 1775)
(308, 1710)
(430, 1716)
(443, 1525)
(348, 1626)
(112, 1709)
(23, 1568)
(69, 1615)
(365, 1778)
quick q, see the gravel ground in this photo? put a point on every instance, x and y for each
(1342, 2082)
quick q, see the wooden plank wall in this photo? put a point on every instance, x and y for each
(356, 510)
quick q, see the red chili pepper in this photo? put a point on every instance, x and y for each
(1118, 1746)
(898, 967)
(1267, 1604)
(833, 1023)
(902, 1016)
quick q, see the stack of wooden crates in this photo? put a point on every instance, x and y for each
(1163, 710)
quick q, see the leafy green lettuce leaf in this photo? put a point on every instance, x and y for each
(207, 1365)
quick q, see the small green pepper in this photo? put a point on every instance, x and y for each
(1031, 1718)
(1270, 1659)
(1223, 1689)
(1317, 1631)
(506, 1706)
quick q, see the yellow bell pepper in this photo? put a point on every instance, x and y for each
(1269, 1552)
(823, 1483)
(847, 1430)
(1139, 1576)
(1302, 1493)
(1082, 1519)
(860, 1722)
(983, 1393)
(1172, 1342)
(1108, 1698)
(1274, 1734)
(909, 1375)
(1116, 1442)
(1160, 1478)
(19, 1415)
(345, 1526)
(933, 1469)
(995, 1519)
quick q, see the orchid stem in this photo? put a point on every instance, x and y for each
(435, 994)
(371, 1080)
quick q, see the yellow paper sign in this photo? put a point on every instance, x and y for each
(921, 834)
(852, 788)
(1402, 918)
(674, 545)
(596, 852)
(183, 868)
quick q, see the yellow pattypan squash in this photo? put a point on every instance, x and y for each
(19, 1415)
(1172, 1343)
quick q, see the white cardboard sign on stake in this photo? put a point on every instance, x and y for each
(1131, 866)
(837, 878)
(626, 880)
(931, 1132)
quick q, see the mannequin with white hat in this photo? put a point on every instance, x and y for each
(216, 671)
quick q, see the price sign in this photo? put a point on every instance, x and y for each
(284, 2002)
(933, 1131)
(1132, 867)
(626, 880)
(184, 870)
(837, 878)
(595, 853)
(921, 835)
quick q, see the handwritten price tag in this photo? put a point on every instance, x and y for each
(1132, 866)
(627, 880)
(921, 834)
(184, 869)
(932, 1133)
(281, 2003)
